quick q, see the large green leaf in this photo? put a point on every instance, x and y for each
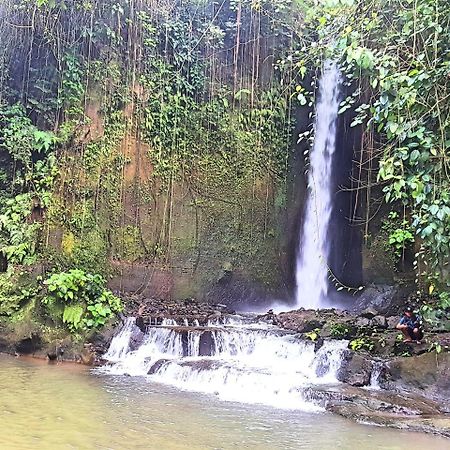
(72, 315)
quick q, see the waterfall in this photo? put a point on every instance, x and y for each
(240, 362)
(121, 342)
(312, 269)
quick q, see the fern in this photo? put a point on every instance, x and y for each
(72, 316)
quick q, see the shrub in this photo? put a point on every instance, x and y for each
(339, 330)
(361, 344)
(85, 301)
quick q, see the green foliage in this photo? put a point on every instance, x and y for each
(17, 236)
(27, 155)
(72, 316)
(399, 238)
(361, 343)
(86, 302)
(14, 292)
(339, 330)
(436, 311)
(399, 234)
(313, 335)
(437, 347)
(395, 59)
(138, 98)
(72, 86)
(20, 139)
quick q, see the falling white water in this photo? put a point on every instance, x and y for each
(377, 368)
(252, 365)
(121, 342)
(312, 272)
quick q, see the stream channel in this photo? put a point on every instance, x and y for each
(246, 394)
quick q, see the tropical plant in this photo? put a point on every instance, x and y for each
(361, 343)
(85, 301)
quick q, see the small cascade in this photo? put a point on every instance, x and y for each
(237, 362)
(312, 268)
(377, 368)
(120, 344)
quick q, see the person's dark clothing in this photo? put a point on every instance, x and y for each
(418, 336)
(412, 323)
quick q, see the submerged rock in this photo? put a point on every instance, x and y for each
(156, 366)
(405, 411)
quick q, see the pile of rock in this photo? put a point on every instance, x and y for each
(152, 311)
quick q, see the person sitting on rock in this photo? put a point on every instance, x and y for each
(410, 326)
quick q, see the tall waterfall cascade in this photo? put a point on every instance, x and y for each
(234, 359)
(313, 252)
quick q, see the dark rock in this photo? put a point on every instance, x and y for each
(156, 366)
(363, 322)
(385, 299)
(202, 364)
(355, 370)
(29, 345)
(301, 321)
(215, 316)
(427, 374)
(140, 323)
(57, 352)
(412, 412)
(52, 356)
(369, 313)
(151, 311)
(379, 322)
(392, 322)
(318, 343)
(410, 348)
(136, 339)
(88, 357)
(206, 344)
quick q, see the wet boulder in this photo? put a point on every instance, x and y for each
(154, 368)
(379, 322)
(363, 322)
(201, 365)
(136, 339)
(369, 313)
(404, 411)
(206, 344)
(302, 321)
(87, 356)
(355, 370)
(392, 322)
(29, 345)
(428, 374)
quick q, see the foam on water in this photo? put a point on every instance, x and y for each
(253, 365)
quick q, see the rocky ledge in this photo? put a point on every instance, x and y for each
(152, 311)
(378, 407)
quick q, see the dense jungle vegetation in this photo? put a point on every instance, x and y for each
(113, 110)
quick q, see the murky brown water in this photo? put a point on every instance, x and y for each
(49, 407)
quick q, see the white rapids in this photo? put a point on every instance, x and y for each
(313, 252)
(253, 363)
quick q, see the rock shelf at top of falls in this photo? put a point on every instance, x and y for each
(152, 311)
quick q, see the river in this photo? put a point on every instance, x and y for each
(67, 406)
